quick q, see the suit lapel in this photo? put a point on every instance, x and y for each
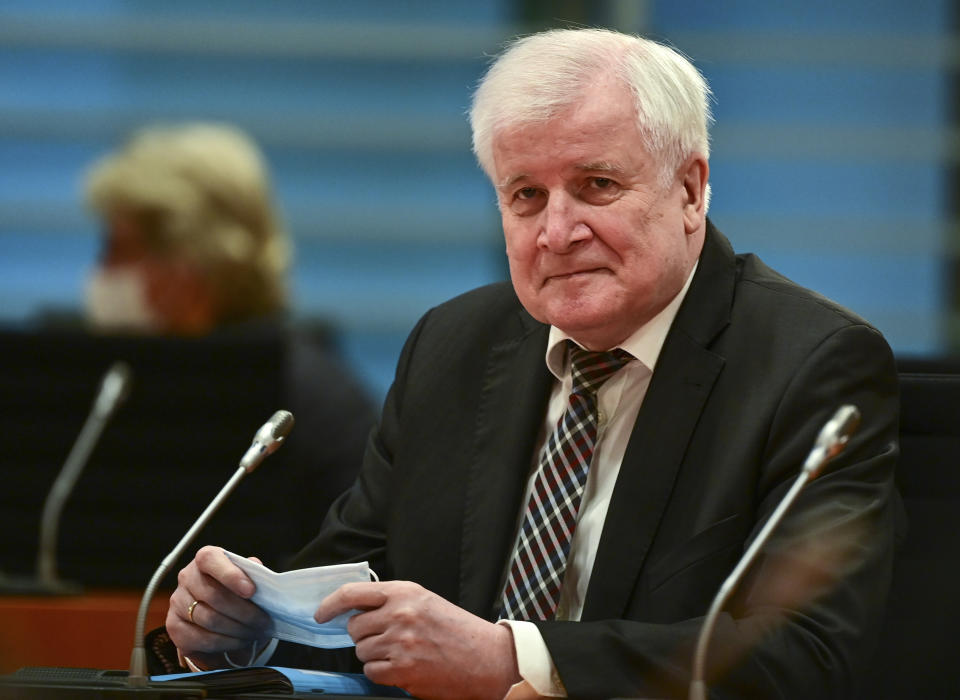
(681, 384)
(508, 418)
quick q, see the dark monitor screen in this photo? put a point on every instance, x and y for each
(193, 409)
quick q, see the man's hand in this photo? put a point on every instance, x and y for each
(222, 618)
(409, 637)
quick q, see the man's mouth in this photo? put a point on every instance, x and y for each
(573, 274)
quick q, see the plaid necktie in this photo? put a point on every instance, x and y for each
(532, 589)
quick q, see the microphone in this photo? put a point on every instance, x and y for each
(114, 389)
(266, 441)
(833, 438)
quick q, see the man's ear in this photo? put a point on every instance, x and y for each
(693, 176)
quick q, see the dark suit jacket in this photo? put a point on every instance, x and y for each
(751, 368)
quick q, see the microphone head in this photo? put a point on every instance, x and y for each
(114, 388)
(834, 436)
(282, 422)
(848, 420)
(268, 439)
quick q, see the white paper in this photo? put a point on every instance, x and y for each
(292, 597)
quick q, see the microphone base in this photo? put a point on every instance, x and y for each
(33, 586)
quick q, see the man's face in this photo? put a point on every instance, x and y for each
(597, 246)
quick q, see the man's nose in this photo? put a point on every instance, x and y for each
(562, 226)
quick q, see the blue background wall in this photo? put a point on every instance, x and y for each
(832, 149)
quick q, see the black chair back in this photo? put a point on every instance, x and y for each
(918, 654)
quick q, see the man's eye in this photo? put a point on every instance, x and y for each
(526, 201)
(527, 193)
(600, 190)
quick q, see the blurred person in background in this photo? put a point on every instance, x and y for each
(193, 248)
(191, 238)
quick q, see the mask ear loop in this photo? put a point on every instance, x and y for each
(373, 574)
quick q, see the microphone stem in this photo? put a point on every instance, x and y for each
(62, 486)
(698, 686)
(137, 676)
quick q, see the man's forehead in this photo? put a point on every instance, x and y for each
(595, 140)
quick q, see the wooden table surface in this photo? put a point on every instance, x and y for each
(91, 630)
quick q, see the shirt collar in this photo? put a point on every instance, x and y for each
(644, 344)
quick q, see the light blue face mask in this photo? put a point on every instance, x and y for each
(292, 597)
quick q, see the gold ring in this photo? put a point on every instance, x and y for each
(190, 610)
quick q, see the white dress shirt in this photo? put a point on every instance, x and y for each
(619, 401)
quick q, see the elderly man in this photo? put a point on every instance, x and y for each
(567, 468)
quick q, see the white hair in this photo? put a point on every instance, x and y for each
(201, 191)
(538, 76)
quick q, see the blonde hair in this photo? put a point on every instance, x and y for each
(538, 76)
(201, 192)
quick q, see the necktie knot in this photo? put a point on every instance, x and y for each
(591, 369)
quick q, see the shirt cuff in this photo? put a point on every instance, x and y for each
(540, 677)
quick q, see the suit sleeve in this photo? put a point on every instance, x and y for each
(355, 528)
(803, 622)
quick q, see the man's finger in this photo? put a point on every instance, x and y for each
(381, 671)
(351, 596)
(215, 564)
(213, 620)
(194, 585)
(193, 638)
